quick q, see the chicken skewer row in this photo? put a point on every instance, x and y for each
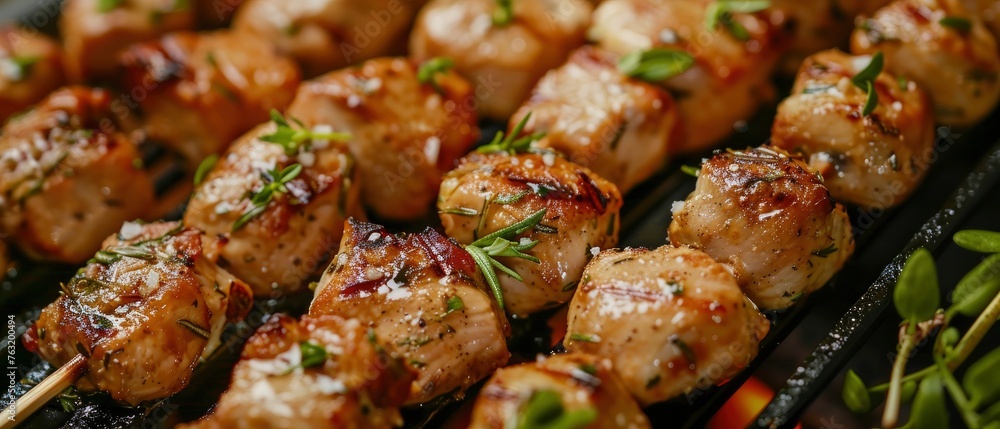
(136, 320)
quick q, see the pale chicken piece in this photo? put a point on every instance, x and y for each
(988, 11)
(671, 320)
(619, 127)
(488, 192)
(870, 161)
(30, 68)
(405, 133)
(294, 236)
(326, 35)
(768, 216)
(142, 312)
(813, 26)
(96, 32)
(421, 295)
(729, 77)
(67, 178)
(200, 91)
(503, 60)
(318, 372)
(584, 386)
(925, 41)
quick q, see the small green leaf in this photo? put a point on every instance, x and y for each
(979, 240)
(105, 6)
(545, 410)
(455, 304)
(511, 143)
(691, 170)
(656, 65)
(855, 393)
(957, 23)
(503, 14)
(871, 101)
(428, 71)
(312, 354)
(870, 72)
(928, 410)
(977, 288)
(584, 337)
(982, 380)
(204, 167)
(916, 296)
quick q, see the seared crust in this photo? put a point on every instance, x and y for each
(357, 385)
(489, 192)
(871, 161)
(200, 91)
(142, 321)
(768, 216)
(67, 178)
(670, 320)
(408, 288)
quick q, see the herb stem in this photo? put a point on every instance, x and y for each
(957, 394)
(891, 414)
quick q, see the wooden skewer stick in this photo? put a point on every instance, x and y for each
(44, 392)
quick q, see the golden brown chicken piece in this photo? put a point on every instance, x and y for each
(768, 217)
(277, 246)
(926, 41)
(670, 320)
(200, 91)
(571, 387)
(30, 68)
(619, 127)
(870, 161)
(405, 133)
(421, 295)
(68, 178)
(488, 192)
(729, 77)
(320, 372)
(142, 312)
(96, 32)
(502, 55)
(326, 35)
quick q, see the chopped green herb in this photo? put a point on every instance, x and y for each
(204, 167)
(589, 368)
(292, 139)
(510, 199)
(105, 6)
(691, 170)
(499, 243)
(865, 79)
(511, 143)
(503, 14)
(684, 348)
(312, 354)
(260, 199)
(957, 23)
(584, 337)
(194, 328)
(455, 304)
(826, 251)
(722, 12)
(428, 71)
(545, 410)
(414, 342)
(655, 65)
(653, 381)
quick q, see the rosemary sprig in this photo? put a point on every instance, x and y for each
(500, 244)
(276, 181)
(292, 139)
(503, 14)
(722, 12)
(865, 79)
(655, 65)
(511, 143)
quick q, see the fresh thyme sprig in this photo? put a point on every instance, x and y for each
(722, 12)
(503, 14)
(276, 181)
(511, 143)
(500, 244)
(292, 139)
(916, 298)
(655, 65)
(428, 71)
(865, 79)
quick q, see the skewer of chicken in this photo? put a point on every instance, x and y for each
(135, 321)
(505, 47)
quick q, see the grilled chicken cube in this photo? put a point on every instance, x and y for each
(96, 32)
(142, 312)
(30, 68)
(327, 35)
(320, 372)
(670, 320)
(922, 42)
(538, 36)
(729, 77)
(488, 192)
(405, 133)
(200, 91)
(422, 296)
(621, 128)
(584, 386)
(68, 178)
(279, 245)
(768, 216)
(870, 161)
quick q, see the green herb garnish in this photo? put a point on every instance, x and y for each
(584, 337)
(511, 143)
(722, 12)
(503, 13)
(655, 65)
(957, 23)
(545, 410)
(500, 244)
(865, 79)
(204, 168)
(276, 181)
(428, 71)
(292, 139)
(105, 6)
